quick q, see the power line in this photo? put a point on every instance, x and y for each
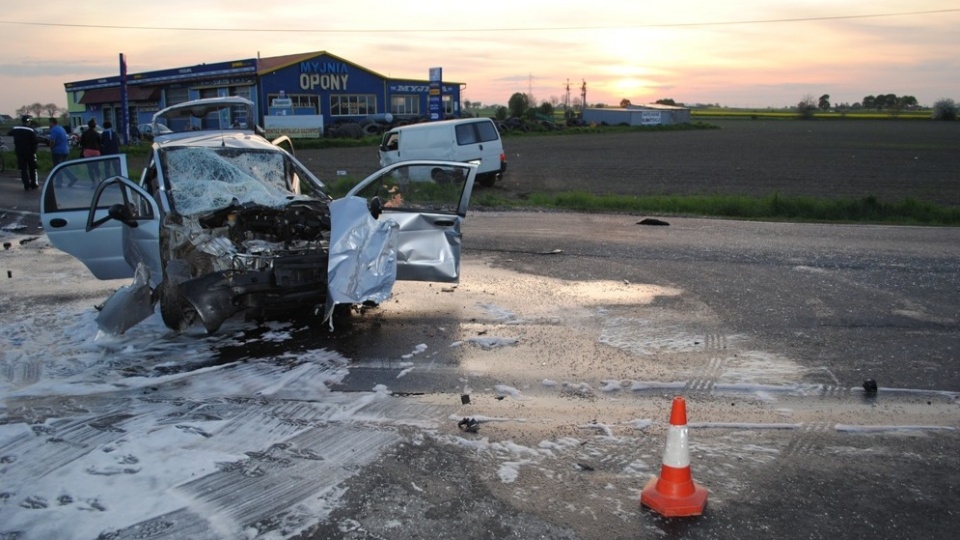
(462, 30)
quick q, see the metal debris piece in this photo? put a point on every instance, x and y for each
(470, 425)
(584, 466)
(652, 221)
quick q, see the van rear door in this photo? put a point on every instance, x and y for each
(480, 141)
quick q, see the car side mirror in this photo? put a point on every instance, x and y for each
(123, 214)
(376, 207)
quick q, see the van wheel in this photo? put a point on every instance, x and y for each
(487, 180)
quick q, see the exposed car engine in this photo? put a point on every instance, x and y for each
(251, 236)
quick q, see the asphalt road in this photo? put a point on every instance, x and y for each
(570, 334)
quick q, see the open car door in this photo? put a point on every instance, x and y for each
(428, 200)
(66, 203)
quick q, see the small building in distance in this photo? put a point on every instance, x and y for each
(652, 114)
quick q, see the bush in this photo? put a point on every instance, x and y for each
(945, 109)
(806, 107)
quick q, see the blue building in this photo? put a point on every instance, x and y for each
(317, 84)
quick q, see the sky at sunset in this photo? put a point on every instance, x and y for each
(749, 53)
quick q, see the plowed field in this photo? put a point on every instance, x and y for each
(891, 160)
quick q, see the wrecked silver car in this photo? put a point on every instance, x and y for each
(224, 222)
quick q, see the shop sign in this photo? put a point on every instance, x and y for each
(313, 81)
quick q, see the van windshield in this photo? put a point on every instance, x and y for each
(391, 141)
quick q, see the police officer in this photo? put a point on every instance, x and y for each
(25, 144)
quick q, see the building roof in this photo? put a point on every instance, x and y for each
(658, 107)
(275, 63)
(112, 95)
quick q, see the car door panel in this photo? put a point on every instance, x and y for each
(428, 200)
(140, 236)
(65, 208)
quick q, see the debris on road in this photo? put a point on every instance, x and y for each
(470, 425)
(653, 221)
(493, 342)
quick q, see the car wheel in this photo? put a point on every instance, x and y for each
(175, 311)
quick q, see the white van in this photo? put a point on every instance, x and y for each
(467, 139)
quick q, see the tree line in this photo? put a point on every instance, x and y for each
(47, 110)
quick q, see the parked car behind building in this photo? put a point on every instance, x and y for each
(43, 135)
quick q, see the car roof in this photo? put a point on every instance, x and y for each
(198, 108)
(434, 124)
(226, 139)
(209, 110)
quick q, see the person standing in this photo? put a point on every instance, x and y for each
(90, 140)
(110, 145)
(25, 144)
(109, 140)
(90, 147)
(59, 144)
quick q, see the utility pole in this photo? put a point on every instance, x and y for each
(583, 97)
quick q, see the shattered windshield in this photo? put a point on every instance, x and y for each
(204, 179)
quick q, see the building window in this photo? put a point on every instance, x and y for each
(176, 95)
(406, 104)
(240, 91)
(301, 103)
(238, 113)
(448, 104)
(353, 104)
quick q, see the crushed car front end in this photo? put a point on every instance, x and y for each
(236, 235)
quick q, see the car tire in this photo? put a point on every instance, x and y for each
(486, 180)
(175, 311)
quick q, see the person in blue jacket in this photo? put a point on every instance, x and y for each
(59, 144)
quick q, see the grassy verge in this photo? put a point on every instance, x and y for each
(803, 209)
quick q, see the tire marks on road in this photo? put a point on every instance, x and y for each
(809, 439)
(704, 382)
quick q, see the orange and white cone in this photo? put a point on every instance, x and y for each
(674, 493)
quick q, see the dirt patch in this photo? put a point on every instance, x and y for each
(890, 160)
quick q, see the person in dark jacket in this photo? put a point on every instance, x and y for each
(109, 140)
(25, 144)
(90, 140)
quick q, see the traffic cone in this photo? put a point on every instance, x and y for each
(674, 493)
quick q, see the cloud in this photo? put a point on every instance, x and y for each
(47, 68)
